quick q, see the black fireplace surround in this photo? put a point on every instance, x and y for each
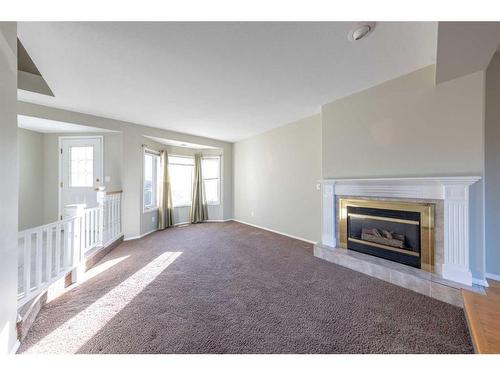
(390, 234)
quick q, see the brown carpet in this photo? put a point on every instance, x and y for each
(232, 288)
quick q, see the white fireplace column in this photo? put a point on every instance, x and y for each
(456, 233)
(328, 217)
(454, 191)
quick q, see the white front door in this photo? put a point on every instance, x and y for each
(81, 171)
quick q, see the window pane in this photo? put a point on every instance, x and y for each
(210, 167)
(181, 177)
(212, 190)
(81, 166)
(148, 180)
(180, 160)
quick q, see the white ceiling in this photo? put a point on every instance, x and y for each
(173, 142)
(49, 126)
(225, 81)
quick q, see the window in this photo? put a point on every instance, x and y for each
(81, 166)
(151, 180)
(181, 170)
(210, 167)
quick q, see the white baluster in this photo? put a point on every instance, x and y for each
(49, 255)
(120, 213)
(92, 228)
(87, 231)
(67, 244)
(57, 265)
(27, 265)
(38, 257)
(113, 213)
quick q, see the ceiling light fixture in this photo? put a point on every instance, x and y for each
(362, 30)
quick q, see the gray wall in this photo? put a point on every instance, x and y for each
(30, 151)
(409, 127)
(9, 186)
(492, 167)
(406, 127)
(275, 178)
(132, 157)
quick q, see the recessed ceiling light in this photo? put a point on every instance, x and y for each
(362, 30)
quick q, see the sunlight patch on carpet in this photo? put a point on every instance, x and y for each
(83, 326)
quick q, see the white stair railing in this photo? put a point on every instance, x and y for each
(112, 216)
(46, 253)
(49, 252)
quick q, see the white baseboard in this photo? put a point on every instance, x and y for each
(481, 282)
(206, 221)
(277, 232)
(492, 276)
(140, 236)
(15, 348)
(175, 225)
(183, 223)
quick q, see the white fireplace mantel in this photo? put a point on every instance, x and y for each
(454, 191)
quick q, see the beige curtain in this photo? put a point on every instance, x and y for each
(165, 211)
(199, 210)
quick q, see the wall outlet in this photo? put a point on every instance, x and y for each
(153, 219)
(107, 178)
(252, 214)
(318, 186)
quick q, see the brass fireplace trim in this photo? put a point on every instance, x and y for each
(426, 211)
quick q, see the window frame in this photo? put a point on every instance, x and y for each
(155, 179)
(190, 157)
(219, 179)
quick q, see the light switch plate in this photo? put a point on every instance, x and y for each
(107, 178)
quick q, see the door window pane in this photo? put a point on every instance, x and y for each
(81, 166)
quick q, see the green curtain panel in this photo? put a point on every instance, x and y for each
(165, 211)
(199, 210)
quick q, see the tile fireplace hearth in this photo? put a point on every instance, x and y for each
(407, 231)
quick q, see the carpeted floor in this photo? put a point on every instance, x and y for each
(232, 288)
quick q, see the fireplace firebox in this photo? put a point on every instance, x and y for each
(399, 231)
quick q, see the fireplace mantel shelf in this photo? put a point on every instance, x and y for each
(454, 191)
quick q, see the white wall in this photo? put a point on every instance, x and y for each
(9, 186)
(30, 151)
(410, 127)
(275, 178)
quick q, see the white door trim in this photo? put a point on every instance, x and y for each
(59, 167)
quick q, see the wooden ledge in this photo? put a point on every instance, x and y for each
(483, 318)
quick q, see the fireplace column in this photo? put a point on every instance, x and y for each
(456, 233)
(328, 206)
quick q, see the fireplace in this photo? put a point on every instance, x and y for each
(402, 232)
